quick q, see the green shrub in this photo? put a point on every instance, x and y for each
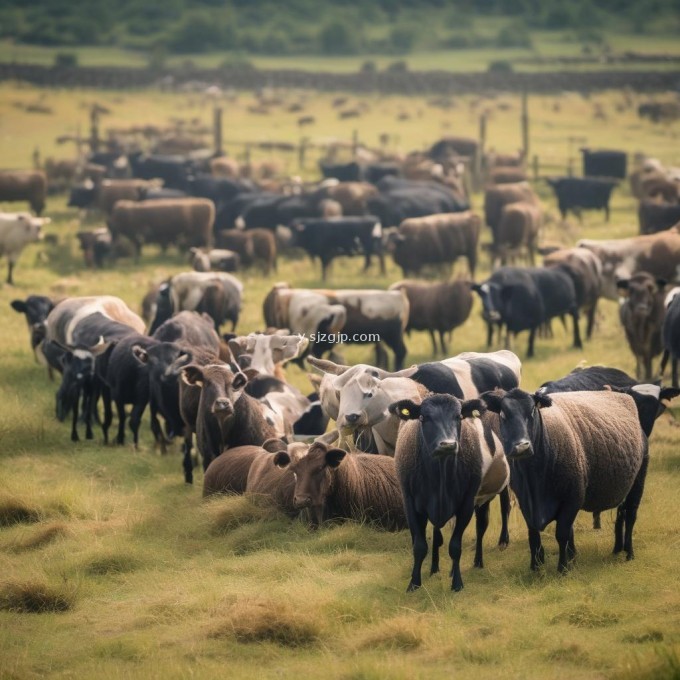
(338, 37)
(513, 35)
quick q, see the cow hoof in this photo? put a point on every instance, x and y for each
(502, 545)
(412, 587)
(456, 587)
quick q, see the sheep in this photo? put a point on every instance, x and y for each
(436, 307)
(568, 452)
(449, 462)
(335, 484)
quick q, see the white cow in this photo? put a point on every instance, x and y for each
(17, 230)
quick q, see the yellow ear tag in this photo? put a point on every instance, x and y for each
(476, 414)
(405, 412)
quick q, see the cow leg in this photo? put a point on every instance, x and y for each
(631, 505)
(187, 463)
(463, 517)
(504, 538)
(564, 534)
(74, 422)
(577, 332)
(120, 410)
(399, 349)
(90, 398)
(664, 363)
(482, 522)
(674, 372)
(156, 429)
(648, 367)
(606, 213)
(381, 257)
(380, 356)
(532, 337)
(417, 523)
(437, 542)
(10, 271)
(536, 549)
(489, 334)
(136, 420)
(324, 269)
(597, 524)
(442, 342)
(434, 343)
(108, 413)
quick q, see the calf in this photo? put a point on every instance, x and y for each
(572, 451)
(226, 415)
(448, 465)
(17, 230)
(335, 484)
(440, 307)
(641, 313)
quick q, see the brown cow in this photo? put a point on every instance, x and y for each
(252, 245)
(495, 198)
(24, 185)
(518, 229)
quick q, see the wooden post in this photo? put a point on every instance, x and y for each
(302, 150)
(477, 160)
(536, 167)
(217, 130)
(94, 128)
(525, 124)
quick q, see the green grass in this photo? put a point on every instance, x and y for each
(545, 44)
(112, 567)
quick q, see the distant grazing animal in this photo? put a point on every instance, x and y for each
(585, 270)
(254, 246)
(604, 163)
(183, 222)
(517, 230)
(654, 217)
(363, 316)
(437, 239)
(568, 452)
(218, 294)
(524, 299)
(335, 484)
(36, 309)
(670, 333)
(439, 307)
(96, 245)
(658, 254)
(17, 230)
(496, 197)
(325, 239)
(642, 314)
(24, 185)
(220, 260)
(578, 193)
(449, 463)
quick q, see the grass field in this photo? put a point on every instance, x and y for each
(111, 567)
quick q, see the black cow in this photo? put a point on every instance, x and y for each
(219, 190)
(439, 458)
(525, 299)
(587, 193)
(173, 170)
(229, 213)
(374, 172)
(572, 451)
(345, 172)
(328, 238)
(654, 217)
(36, 309)
(670, 334)
(604, 163)
(82, 195)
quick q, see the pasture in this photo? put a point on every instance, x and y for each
(112, 567)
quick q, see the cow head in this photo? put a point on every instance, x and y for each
(82, 195)
(313, 472)
(494, 298)
(165, 361)
(519, 418)
(266, 351)
(649, 400)
(35, 308)
(641, 293)
(220, 387)
(440, 417)
(78, 370)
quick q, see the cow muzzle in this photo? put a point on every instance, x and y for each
(521, 449)
(352, 419)
(302, 501)
(446, 447)
(223, 407)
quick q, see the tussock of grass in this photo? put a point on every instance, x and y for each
(34, 597)
(568, 654)
(227, 513)
(641, 638)
(585, 616)
(14, 510)
(403, 632)
(42, 536)
(109, 563)
(268, 621)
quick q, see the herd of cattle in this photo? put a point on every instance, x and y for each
(424, 443)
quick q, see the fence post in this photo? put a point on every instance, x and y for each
(217, 130)
(94, 128)
(525, 124)
(536, 167)
(477, 168)
(302, 150)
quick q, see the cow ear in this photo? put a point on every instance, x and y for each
(140, 354)
(250, 373)
(19, 306)
(192, 375)
(274, 445)
(405, 409)
(315, 380)
(236, 347)
(541, 400)
(239, 381)
(334, 457)
(473, 408)
(493, 400)
(669, 393)
(281, 459)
